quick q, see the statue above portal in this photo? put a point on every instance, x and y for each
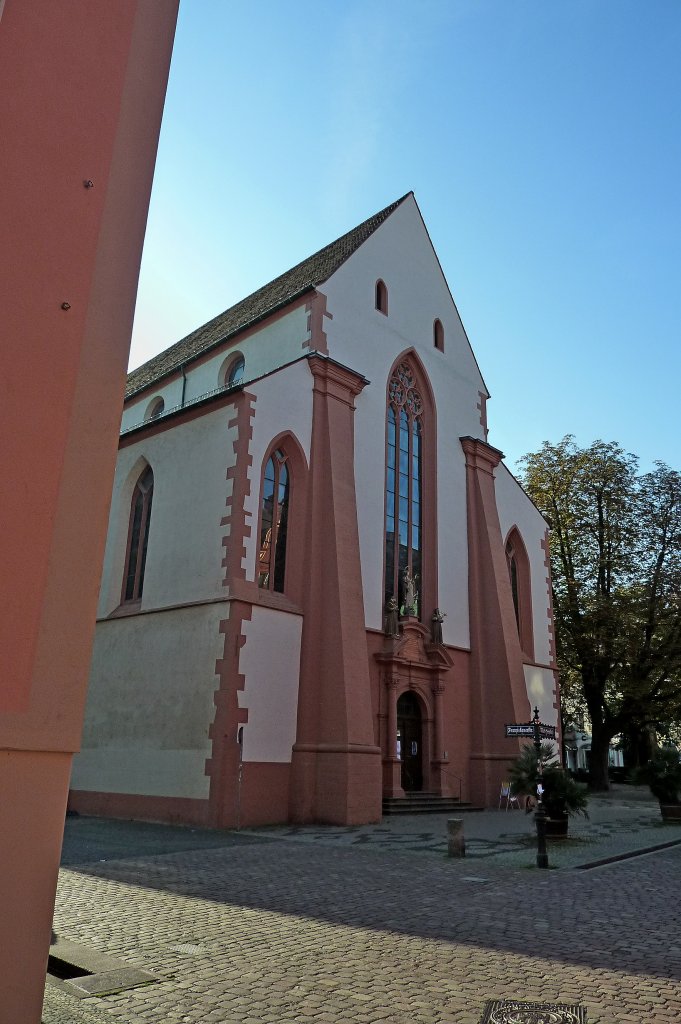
(390, 623)
(436, 620)
(411, 594)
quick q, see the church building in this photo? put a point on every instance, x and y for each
(322, 588)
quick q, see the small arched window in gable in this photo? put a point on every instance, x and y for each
(381, 297)
(235, 371)
(519, 576)
(138, 536)
(439, 336)
(274, 509)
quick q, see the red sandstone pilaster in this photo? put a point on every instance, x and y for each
(498, 690)
(336, 766)
(392, 766)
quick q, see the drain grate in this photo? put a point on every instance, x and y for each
(507, 1011)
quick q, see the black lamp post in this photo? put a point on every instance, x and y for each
(540, 814)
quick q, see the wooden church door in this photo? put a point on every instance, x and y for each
(410, 744)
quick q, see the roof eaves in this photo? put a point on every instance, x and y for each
(216, 344)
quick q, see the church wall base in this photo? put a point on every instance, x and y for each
(169, 809)
(336, 785)
(487, 772)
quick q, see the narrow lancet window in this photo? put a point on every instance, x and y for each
(381, 297)
(138, 537)
(439, 336)
(521, 590)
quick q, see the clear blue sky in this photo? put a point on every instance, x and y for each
(542, 141)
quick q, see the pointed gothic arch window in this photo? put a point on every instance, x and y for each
(138, 537)
(404, 486)
(274, 510)
(519, 576)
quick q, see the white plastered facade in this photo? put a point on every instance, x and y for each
(367, 340)
(270, 663)
(150, 704)
(516, 510)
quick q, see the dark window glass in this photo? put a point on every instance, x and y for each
(513, 573)
(156, 409)
(274, 524)
(403, 537)
(138, 536)
(439, 336)
(236, 371)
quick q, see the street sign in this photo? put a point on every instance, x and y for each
(520, 729)
(547, 732)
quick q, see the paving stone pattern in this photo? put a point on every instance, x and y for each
(300, 931)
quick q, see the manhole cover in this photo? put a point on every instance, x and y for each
(506, 1011)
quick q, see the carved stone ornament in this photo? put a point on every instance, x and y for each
(390, 621)
(436, 619)
(411, 594)
(402, 390)
(507, 1011)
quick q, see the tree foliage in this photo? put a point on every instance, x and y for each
(616, 568)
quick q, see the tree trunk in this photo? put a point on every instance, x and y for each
(598, 764)
(638, 746)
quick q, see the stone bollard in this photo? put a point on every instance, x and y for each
(456, 844)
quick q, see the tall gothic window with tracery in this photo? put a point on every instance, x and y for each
(403, 519)
(274, 523)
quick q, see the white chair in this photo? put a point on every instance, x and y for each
(506, 794)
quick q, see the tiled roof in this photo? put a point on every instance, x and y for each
(284, 289)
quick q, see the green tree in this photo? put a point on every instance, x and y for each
(616, 568)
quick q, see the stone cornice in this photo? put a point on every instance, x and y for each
(335, 380)
(480, 455)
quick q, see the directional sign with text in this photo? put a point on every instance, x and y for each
(547, 732)
(520, 729)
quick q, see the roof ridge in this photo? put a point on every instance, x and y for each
(279, 292)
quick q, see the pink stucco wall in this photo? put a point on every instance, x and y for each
(81, 95)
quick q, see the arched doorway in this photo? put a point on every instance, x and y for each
(409, 742)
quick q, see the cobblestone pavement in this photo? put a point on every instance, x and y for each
(623, 821)
(300, 931)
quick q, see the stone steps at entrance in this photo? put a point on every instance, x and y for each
(425, 803)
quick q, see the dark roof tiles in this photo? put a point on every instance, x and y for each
(284, 289)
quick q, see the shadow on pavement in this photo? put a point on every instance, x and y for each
(625, 917)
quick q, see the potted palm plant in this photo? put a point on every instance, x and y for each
(562, 796)
(663, 775)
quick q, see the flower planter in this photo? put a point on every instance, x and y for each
(557, 828)
(671, 813)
